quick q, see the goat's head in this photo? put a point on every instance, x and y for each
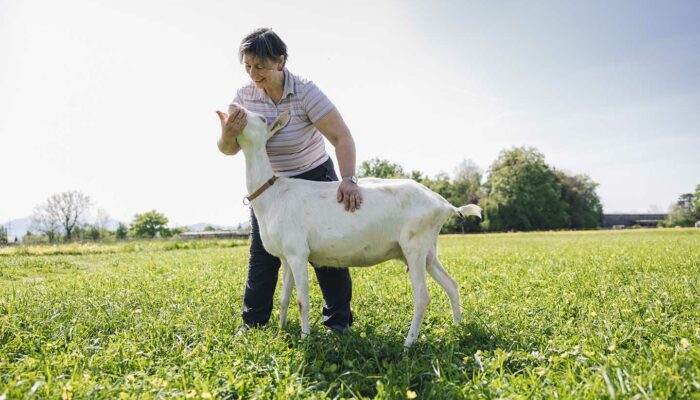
(256, 132)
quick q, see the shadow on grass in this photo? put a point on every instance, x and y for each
(375, 362)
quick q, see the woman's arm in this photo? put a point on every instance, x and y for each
(334, 129)
(231, 126)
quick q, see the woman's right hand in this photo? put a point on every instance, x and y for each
(232, 125)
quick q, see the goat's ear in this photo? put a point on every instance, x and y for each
(279, 123)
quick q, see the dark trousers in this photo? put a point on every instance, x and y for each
(263, 270)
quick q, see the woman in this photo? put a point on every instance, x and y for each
(296, 151)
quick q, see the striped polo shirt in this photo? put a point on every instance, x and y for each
(299, 146)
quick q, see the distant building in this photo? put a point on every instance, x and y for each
(619, 221)
(697, 224)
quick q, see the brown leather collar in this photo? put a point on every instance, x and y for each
(258, 192)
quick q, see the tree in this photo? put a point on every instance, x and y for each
(122, 230)
(93, 232)
(3, 234)
(523, 193)
(417, 176)
(176, 231)
(44, 221)
(381, 169)
(150, 223)
(468, 171)
(61, 211)
(683, 211)
(696, 203)
(582, 202)
(466, 188)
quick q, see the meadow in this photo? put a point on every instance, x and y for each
(600, 314)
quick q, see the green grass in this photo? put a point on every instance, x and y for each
(574, 315)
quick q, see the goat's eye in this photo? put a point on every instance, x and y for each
(263, 119)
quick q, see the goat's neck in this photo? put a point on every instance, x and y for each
(258, 168)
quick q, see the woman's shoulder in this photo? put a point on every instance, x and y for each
(298, 78)
(301, 82)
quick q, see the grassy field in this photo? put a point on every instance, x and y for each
(604, 314)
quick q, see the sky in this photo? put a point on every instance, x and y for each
(118, 99)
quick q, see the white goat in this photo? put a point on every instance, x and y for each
(301, 221)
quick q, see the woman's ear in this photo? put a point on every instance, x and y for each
(281, 62)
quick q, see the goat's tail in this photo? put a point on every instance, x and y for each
(469, 209)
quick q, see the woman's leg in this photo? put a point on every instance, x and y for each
(263, 269)
(335, 283)
(336, 287)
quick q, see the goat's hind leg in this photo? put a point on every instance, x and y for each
(421, 298)
(286, 294)
(438, 272)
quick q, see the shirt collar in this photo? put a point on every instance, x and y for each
(289, 87)
(288, 84)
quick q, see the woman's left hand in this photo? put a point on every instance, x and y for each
(349, 193)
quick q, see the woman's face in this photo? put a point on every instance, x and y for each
(263, 72)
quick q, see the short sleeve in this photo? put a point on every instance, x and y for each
(315, 102)
(236, 100)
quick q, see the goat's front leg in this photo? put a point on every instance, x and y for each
(285, 296)
(421, 298)
(299, 267)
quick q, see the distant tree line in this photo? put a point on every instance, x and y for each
(63, 218)
(521, 193)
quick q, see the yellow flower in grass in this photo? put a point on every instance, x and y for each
(191, 394)
(410, 394)
(685, 343)
(158, 382)
(206, 395)
(363, 335)
(67, 392)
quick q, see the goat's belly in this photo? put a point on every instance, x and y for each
(349, 254)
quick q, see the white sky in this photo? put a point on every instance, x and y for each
(117, 99)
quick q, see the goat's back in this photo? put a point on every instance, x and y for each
(392, 211)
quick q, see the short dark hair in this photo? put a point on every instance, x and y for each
(264, 44)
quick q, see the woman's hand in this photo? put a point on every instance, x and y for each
(231, 126)
(349, 193)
